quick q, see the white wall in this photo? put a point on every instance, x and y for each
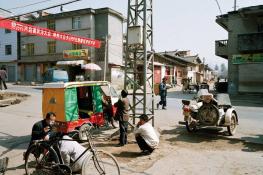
(116, 41)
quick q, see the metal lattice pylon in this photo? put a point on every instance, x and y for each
(139, 68)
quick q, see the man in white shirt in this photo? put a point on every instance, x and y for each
(145, 135)
(72, 150)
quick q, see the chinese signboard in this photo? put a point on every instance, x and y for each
(81, 53)
(47, 33)
(247, 58)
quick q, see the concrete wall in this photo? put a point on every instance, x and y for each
(242, 22)
(8, 39)
(9, 61)
(115, 30)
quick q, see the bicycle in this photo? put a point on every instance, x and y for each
(44, 157)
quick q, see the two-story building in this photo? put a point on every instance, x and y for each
(194, 67)
(243, 49)
(8, 50)
(38, 54)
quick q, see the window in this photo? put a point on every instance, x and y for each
(30, 49)
(7, 31)
(76, 46)
(8, 49)
(51, 24)
(76, 23)
(51, 46)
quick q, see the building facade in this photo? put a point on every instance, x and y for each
(8, 53)
(38, 54)
(8, 49)
(243, 49)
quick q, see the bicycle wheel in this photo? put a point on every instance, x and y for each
(38, 160)
(101, 163)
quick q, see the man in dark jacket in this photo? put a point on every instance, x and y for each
(162, 93)
(122, 114)
(43, 128)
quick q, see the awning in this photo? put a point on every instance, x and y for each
(73, 63)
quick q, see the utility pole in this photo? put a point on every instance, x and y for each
(139, 68)
(105, 57)
(235, 5)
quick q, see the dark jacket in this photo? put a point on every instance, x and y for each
(163, 89)
(122, 113)
(38, 131)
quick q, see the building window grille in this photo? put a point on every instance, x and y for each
(8, 49)
(76, 22)
(7, 31)
(30, 47)
(51, 24)
(51, 46)
(76, 46)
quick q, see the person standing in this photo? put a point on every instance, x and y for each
(145, 135)
(3, 76)
(162, 93)
(122, 114)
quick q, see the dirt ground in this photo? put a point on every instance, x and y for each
(11, 98)
(177, 141)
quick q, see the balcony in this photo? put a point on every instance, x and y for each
(221, 48)
(250, 43)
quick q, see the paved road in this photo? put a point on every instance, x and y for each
(204, 152)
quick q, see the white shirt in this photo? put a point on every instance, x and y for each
(72, 149)
(147, 132)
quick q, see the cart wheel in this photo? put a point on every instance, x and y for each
(82, 131)
(233, 125)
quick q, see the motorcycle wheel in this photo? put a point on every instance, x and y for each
(189, 127)
(233, 125)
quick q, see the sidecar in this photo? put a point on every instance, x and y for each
(209, 111)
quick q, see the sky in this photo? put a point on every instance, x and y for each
(178, 25)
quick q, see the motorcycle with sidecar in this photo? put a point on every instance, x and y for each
(207, 110)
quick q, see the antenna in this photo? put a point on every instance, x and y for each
(218, 7)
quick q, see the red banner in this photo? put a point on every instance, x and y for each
(47, 33)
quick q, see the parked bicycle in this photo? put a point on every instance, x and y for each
(44, 157)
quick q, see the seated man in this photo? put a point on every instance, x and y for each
(43, 128)
(69, 149)
(145, 135)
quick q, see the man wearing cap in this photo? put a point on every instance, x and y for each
(163, 93)
(145, 135)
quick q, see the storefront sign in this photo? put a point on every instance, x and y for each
(247, 58)
(81, 53)
(47, 33)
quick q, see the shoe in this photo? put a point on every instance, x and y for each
(164, 108)
(120, 145)
(157, 105)
(145, 152)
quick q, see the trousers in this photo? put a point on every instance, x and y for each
(123, 132)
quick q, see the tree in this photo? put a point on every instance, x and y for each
(223, 70)
(216, 67)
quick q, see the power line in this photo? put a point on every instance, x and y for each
(19, 7)
(54, 6)
(218, 6)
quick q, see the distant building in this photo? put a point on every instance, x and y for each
(38, 54)
(8, 50)
(243, 49)
(194, 67)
